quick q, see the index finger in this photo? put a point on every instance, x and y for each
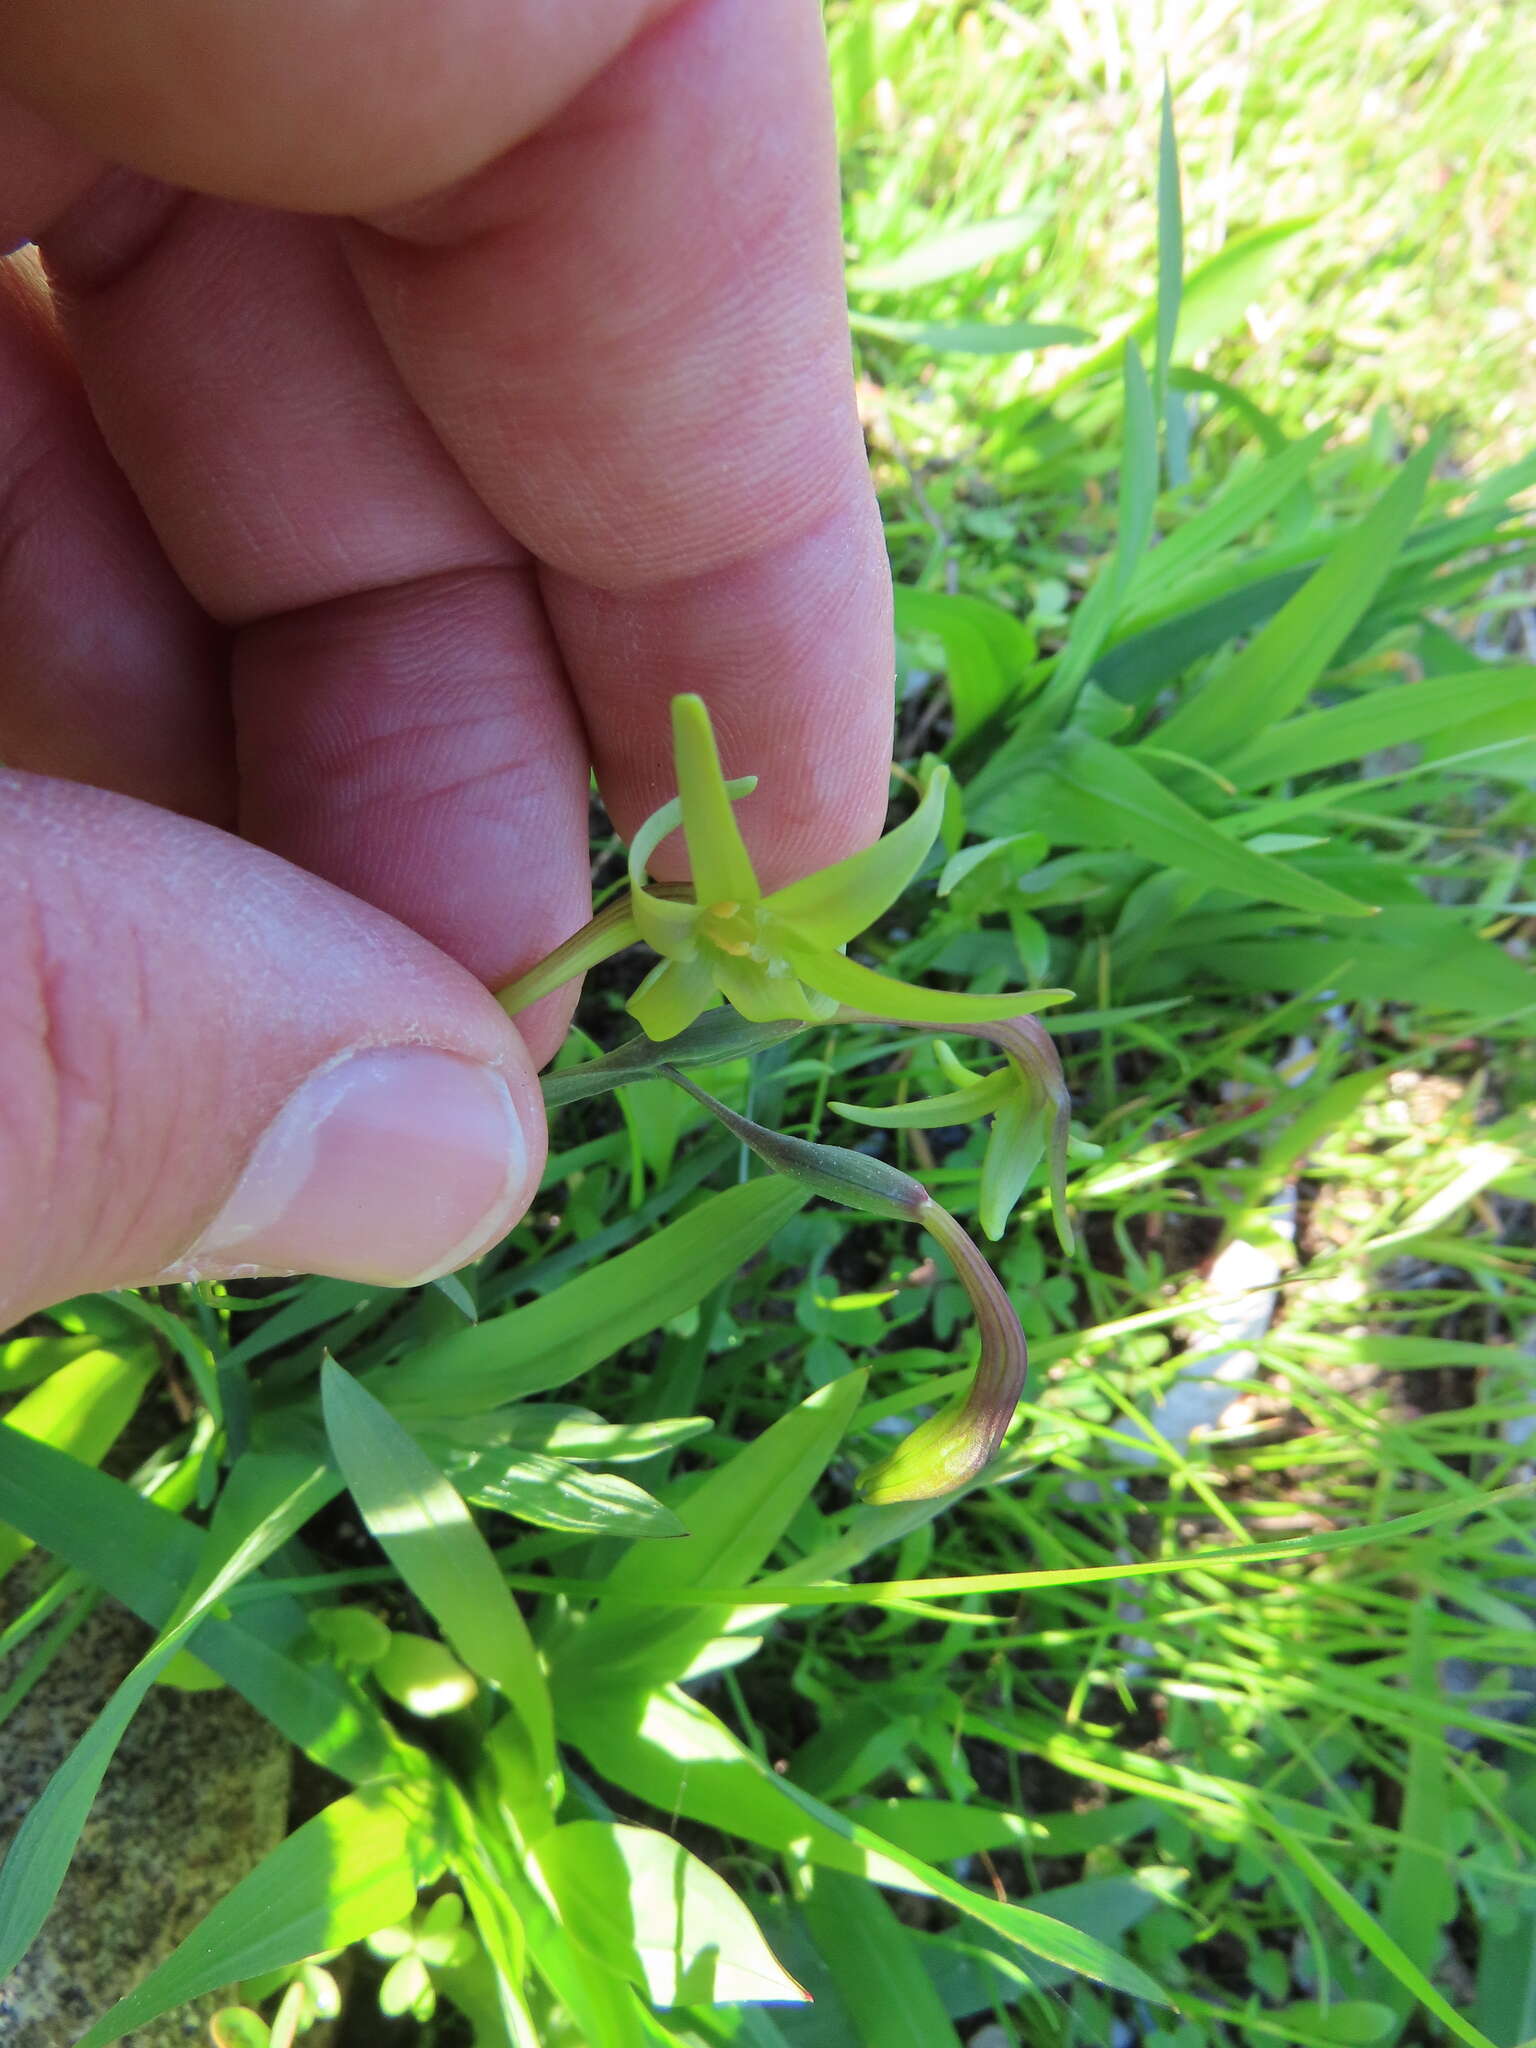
(631, 332)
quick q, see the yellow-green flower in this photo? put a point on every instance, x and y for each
(1030, 1110)
(771, 957)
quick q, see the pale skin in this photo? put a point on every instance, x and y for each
(429, 394)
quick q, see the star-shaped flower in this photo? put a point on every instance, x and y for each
(772, 957)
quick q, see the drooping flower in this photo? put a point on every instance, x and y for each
(954, 1445)
(772, 957)
(1030, 1110)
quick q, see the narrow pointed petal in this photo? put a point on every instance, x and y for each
(612, 929)
(903, 1002)
(717, 854)
(1027, 1042)
(1013, 1152)
(953, 1068)
(664, 914)
(834, 905)
(935, 1112)
(671, 996)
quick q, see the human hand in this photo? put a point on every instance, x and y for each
(428, 394)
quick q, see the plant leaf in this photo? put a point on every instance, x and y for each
(556, 1495)
(1274, 673)
(950, 253)
(144, 1556)
(875, 1966)
(734, 1518)
(672, 1752)
(1113, 792)
(1388, 716)
(642, 1905)
(429, 1536)
(987, 651)
(1096, 614)
(971, 337)
(556, 1338)
(81, 1409)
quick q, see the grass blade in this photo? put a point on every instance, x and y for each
(556, 1338)
(429, 1536)
(1170, 285)
(1274, 674)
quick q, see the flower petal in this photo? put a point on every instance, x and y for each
(717, 854)
(765, 998)
(671, 996)
(837, 903)
(935, 1112)
(860, 988)
(1013, 1152)
(664, 919)
(953, 1068)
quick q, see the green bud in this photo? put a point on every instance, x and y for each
(353, 1635)
(424, 1676)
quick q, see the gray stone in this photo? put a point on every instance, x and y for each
(197, 1794)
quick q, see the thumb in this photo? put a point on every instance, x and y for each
(213, 1065)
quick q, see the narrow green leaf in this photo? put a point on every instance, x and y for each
(1170, 285)
(556, 1495)
(429, 1536)
(1399, 1967)
(343, 1874)
(1419, 1900)
(563, 1432)
(1388, 716)
(971, 337)
(877, 1970)
(1505, 2006)
(671, 1751)
(1273, 674)
(987, 651)
(1242, 505)
(1216, 295)
(1096, 614)
(1114, 794)
(734, 1519)
(1027, 849)
(554, 1339)
(640, 1904)
(1429, 959)
(1347, 2023)
(950, 253)
(81, 1409)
